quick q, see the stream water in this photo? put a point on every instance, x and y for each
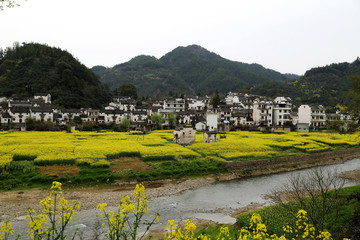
(213, 202)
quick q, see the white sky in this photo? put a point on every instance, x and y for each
(289, 36)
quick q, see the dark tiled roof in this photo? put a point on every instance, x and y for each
(20, 110)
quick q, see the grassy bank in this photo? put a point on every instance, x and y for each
(344, 223)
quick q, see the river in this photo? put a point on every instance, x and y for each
(212, 202)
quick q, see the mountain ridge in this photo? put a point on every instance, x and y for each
(190, 70)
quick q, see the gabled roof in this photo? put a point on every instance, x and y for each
(6, 115)
(41, 109)
(20, 109)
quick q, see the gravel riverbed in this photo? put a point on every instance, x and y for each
(14, 204)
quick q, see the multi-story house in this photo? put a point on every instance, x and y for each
(313, 115)
(198, 104)
(262, 112)
(174, 105)
(281, 111)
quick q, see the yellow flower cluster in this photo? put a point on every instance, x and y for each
(54, 215)
(256, 231)
(118, 223)
(6, 230)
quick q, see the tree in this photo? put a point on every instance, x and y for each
(311, 193)
(128, 90)
(125, 124)
(353, 98)
(215, 99)
(171, 118)
(157, 119)
(342, 126)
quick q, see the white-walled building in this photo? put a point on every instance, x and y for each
(262, 112)
(281, 111)
(314, 115)
(174, 105)
(212, 121)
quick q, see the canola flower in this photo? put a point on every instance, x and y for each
(96, 148)
(6, 230)
(125, 222)
(54, 216)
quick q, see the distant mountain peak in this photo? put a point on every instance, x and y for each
(188, 69)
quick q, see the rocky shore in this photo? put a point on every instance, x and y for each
(14, 204)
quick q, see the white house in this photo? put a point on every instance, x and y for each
(212, 121)
(262, 112)
(198, 103)
(19, 114)
(174, 105)
(313, 115)
(281, 111)
(200, 125)
(112, 116)
(42, 113)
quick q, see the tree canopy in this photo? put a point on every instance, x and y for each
(33, 68)
(353, 98)
(128, 90)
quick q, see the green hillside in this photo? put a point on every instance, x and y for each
(189, 69)
(321, 85)
(32, 68)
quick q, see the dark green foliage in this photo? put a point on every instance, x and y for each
(322, 85)
(55, 162)
(215, 99)
(123, 154)
(189, 69)
(32, 68)
(37, 125)
(25, 166)
(18, 157)
(88, 126)
(127, 89)
(353, 98)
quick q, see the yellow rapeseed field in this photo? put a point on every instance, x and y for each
(95, 148)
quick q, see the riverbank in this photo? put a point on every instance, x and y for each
(13, 204)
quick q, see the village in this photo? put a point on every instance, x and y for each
(241, 111)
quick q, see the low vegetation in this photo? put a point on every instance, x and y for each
(341, 222)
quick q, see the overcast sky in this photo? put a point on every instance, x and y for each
(289, 36)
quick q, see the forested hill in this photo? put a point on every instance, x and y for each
(190, 69)
(321, 85)
(35, 68)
